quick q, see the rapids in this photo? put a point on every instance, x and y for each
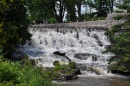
(80, 45)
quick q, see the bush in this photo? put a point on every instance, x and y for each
(72, 64)
(98, 18)
(61, 67)
(119, 17)
(52, 20)
(13, 74)
(102, 18)
(88, 18)
(120, 40)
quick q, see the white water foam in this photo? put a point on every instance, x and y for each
(79, 45)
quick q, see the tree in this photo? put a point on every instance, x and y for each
(102, 7)
(61, 10)
(123, 4)
(57, 7)
(39, 12)
(120, 39)
(14, 26)
(111, 4)
(71, 11)
(53, 8)
(3, 8)
(79, 4)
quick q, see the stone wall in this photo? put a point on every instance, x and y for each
(99, 24)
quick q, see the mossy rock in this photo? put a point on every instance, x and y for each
(56, 63)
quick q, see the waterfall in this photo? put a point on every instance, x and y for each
(80, 45)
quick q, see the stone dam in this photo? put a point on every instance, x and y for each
(90, 25)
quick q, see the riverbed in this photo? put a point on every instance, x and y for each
(97, 81)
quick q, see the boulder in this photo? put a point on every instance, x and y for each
(97, 70)
(94, 58)
(62, 54)
(66, 77)
(96, 37)
(84, 56)
(107, 46)
(59, 53)
(69, 77)
(83, 67)
(100, 43)
(77, 71)
(56, 63)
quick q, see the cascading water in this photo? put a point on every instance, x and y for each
(80, 45)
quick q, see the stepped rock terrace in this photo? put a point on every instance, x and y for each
(91, 25)
(100, 24)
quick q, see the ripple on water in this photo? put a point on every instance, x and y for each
(97, 81)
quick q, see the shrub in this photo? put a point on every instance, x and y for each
(72, 64)
(88, 17)
(119, 17)
(13, 74)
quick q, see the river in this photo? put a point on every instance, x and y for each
(81, 46)
(97, 81)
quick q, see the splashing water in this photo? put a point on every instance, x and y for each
(80, 45)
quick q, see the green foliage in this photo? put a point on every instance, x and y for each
(51, 20)
(40, 10)
(120, 39)
(102, 18)
(102, 7)
(124, 4)
(119, 17)
(98, 18)
(61, 69)
(71, 11)
(1, 50)
(13, 74)
(78, 4)
(120, 47)
(88, 18)
(72, 64)
(13, 25)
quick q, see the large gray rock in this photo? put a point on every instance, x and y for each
(59, 53)
(77, 72)
(107, 46)
(62, 54)
(97, 70)
(89, 68)
(84, 56)
(66, 77)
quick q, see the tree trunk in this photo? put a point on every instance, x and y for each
(111, 6)
(100, 8)
(78, 4)
(60, 13)
(59, 19)
(79, 13)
